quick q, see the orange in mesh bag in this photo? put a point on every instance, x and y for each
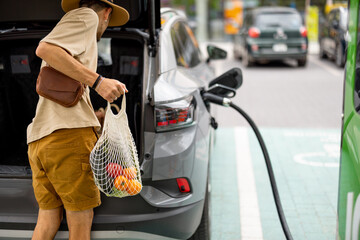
(114, 160)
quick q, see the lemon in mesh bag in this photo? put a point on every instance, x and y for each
(114, 160)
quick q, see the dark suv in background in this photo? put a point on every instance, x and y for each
(332, 36)
(271, 33)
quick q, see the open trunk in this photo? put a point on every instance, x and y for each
(120, 58)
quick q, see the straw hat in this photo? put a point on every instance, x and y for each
(119, 15)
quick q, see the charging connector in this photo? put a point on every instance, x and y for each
(223, 101)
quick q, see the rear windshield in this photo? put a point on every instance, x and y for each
(285, 20)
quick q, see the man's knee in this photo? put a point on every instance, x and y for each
(80, 217)
(79, 223)
(51, 217)
(48, 223)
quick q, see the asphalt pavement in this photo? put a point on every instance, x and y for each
(280, 94)
(298, 111)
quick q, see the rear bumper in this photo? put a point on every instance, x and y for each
(176, 223)
(269, 54)
(266, 49)
(157, 223)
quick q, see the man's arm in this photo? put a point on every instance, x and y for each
(58, 58)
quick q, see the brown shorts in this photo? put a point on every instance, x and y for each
(61, 171)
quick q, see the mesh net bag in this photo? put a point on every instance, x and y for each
(114, 160)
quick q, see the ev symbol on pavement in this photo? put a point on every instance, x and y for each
(321, 149)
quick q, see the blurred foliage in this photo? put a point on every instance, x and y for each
(189, 6)
(298, 4)
(216, 6)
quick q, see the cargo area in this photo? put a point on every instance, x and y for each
(120, 57)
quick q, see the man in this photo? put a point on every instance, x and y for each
(60, 139)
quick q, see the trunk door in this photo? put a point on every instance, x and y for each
(279, 25)
(41, 14)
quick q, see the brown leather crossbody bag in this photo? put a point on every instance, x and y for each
(58, 87)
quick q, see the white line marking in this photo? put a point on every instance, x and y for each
(331, 70)
(249, 209)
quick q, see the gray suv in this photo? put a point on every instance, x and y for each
(160, 62)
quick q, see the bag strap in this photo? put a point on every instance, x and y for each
(123, 107)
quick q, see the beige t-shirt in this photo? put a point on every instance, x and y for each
(76, 33)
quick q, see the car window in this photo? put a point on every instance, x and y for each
(104, 52)
(128, 62)
(186, 46)
(280, 19)
(180, 60)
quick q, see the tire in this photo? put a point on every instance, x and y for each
(237, 56)
(302, 62)
(246, 62)
(322, 54)
(339, 56)
(203, 231)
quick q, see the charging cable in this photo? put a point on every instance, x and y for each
(228, 103)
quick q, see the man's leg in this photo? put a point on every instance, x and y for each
(79, 224)
(48, 224)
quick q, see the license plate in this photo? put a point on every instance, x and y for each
(280, 47)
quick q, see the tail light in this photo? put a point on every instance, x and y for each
(303, 31)
(183, 185)
(254, 32)
(173, 115)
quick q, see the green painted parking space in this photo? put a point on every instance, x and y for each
(306, 166)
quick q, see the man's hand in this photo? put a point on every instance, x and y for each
(110, 89)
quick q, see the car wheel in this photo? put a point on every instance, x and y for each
(236, 54)
(203, 231)
(339, 56)
(302, 62)
(322, 54)
(246, 59)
